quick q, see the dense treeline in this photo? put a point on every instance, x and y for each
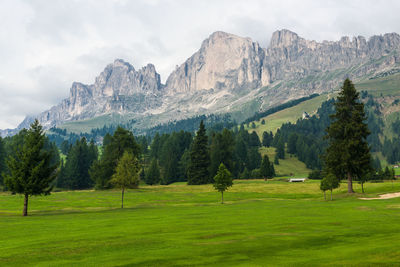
(164, 159)
(391, 148)
(216, 122)
(180, 156)
(74, 173)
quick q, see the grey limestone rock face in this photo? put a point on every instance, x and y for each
(119, 88)
(224, 61)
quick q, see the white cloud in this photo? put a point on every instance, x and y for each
(46, 45)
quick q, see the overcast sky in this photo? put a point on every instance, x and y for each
(45, 45)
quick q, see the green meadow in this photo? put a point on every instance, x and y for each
(287, 166)
(272, 223)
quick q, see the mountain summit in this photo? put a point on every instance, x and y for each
(224, 61)
(228, 74)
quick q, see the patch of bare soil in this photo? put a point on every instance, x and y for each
(384, 196)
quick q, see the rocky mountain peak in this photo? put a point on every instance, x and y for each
(224, 61)
(121, 78)
(120, 63)
(283, 38)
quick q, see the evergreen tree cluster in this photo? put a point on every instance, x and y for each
(179, 156)
(305, 138)
(74, 172)
(215, 122)
(391, 148)
(102, 170)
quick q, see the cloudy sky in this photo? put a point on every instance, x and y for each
(45, 45)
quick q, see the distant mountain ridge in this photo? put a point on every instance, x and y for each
(228, 74)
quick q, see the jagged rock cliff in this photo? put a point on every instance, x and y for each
(228, 74)
(224, 61)
(119, 88)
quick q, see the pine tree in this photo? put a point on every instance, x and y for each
(61, 181)
(272, 170)
(221, 151)
(169, 161)
(291, 146)
(280, 149)
(126, 174)
(155, 146)
(267, 139)
(31, 172)
(199, 158)
(240, 154)
(184, 164)
(2, 160)
(348, 154)
(65, 147)
(223, 180)
(254, 159)
(153, 173)
(267, 168)
(276, 159)
(79, 159)
(254, 141)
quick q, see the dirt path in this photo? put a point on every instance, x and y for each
(384, 196)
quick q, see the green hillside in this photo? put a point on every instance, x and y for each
(292, 114)
(89, 124)
(385, 86)
(289, 165)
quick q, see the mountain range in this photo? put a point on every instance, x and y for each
(228, 74)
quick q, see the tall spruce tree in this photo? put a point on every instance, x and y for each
(240, 154)
(267, 139)
(221, 151)
(31, 171)
(2, 160)
(348, 154)
(153, 173)
(169, 161)
(254, 159)
(267, 169)
(79, 159)
(254, 140)
(199, 159)
(280, 149)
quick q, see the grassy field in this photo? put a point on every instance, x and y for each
(262, 224)
(292, 114)
(385, 86)
(287, 166)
